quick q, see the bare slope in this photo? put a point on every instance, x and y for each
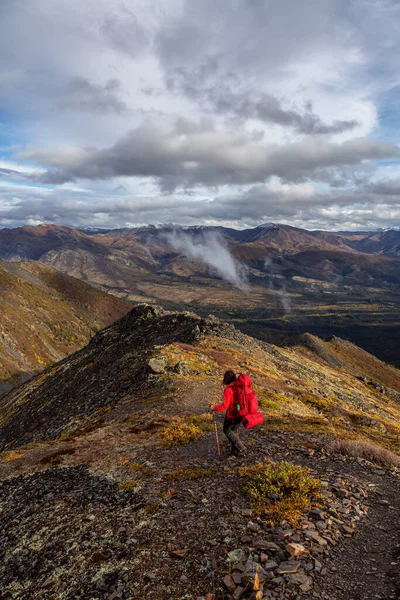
(45, 315)
(383, 243)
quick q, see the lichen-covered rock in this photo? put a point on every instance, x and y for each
(157, 365)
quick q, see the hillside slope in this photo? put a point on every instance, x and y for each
(45, 315)
(111, 487)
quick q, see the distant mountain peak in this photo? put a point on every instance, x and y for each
(267, 226)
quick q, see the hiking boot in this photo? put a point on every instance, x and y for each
(239, 450)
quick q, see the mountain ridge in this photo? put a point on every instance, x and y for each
(126, 359)
(239, 234)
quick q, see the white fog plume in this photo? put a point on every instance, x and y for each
(209, 248)
(283, 296)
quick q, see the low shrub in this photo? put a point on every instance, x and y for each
(362, 449)
(281, 491)
(204, 421)
(269, 405)
(168, 494)
(180, 432)
(280, 399)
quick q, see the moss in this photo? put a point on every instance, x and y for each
(12, 456)
(357, 426)
(313, 425)
(196, 361)
(272, 401)
(276, 397)
(322, 404)
(152, 507)
(142, 469)
(67, 436)
(35, 445)
(269, 405)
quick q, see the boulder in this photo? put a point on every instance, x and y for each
(157, 365)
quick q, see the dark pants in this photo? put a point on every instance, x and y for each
(230, 429)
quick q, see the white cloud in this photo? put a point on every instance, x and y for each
(301, 205)
(20, 167)
(268, 102)
(209, 248)
(190, 154)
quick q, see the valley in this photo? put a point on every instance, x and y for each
(294, 281)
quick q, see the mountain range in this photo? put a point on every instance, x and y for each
(273, 281)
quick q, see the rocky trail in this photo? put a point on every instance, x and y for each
(180, 526)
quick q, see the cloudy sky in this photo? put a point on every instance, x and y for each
(122, 112)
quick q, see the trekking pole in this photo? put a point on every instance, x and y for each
(216, 437)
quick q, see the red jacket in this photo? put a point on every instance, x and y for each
(229, 403)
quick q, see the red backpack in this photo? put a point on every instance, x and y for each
(252, 420)
(245, 397)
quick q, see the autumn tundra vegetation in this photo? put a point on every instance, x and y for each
(118, 439)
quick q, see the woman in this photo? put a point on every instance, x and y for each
(232, 418)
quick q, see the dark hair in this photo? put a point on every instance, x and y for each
(229, 377)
